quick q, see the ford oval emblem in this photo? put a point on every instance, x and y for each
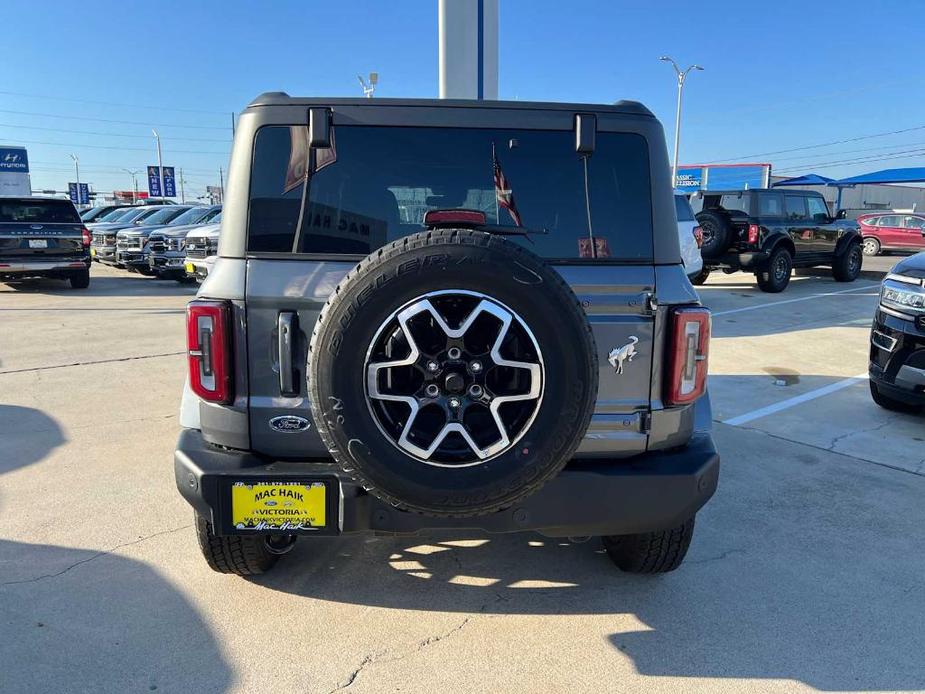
(36, 226)
(289, 423)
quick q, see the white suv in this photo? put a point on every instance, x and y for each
(689, 235)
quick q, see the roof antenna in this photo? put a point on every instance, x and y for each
(370, 86)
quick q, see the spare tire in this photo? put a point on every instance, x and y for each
(717, 233)
(452, 373)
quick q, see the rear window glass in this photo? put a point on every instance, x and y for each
(683, 209)
(375, 185)
(40, 211)
(735, 201)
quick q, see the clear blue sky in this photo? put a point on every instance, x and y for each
(778, 75)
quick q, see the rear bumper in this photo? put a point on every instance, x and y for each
(654, 491)
(735, 260)
(15, 268)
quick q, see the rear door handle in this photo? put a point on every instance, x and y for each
(287, 325)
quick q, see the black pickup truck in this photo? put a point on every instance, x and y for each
(770, 232)
(43, 237)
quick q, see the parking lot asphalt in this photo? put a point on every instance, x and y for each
(805, 572)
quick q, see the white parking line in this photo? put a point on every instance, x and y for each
(793, 301)
(794, 401)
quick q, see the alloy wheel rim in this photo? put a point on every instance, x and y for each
(454, 378)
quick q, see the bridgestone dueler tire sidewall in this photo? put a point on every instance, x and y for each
(447, 260)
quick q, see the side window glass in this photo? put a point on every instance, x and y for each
(889, 221)
(795, 207)
(817, 207)
(770, 205)
(914, 223)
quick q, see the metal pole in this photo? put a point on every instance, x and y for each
(232, 125)
(682, 75)
(221, 180)
(677, 132)
(182, 193)
(134, 174)
(160, 167)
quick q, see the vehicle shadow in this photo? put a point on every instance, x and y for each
(125, 284)
(83, 620)
(794, 573)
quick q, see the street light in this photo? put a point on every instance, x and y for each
(369, 87)
(134, 174)
(77, 171)
(682, 75)
(160, 168)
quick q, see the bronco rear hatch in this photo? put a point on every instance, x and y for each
(313, 212)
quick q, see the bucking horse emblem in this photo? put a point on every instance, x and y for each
(620, 355)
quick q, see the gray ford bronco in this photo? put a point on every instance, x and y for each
(430, 315)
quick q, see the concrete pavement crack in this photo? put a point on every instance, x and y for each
(722, 556)
(917, 473)
(99, 554)
(91, 363)
(835, 441)
(379, 656)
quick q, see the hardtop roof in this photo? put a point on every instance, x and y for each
(634, 108)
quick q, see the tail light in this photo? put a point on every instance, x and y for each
(208, 342)
(753, 233)
(688, 351)
(698, 236)
(85, 236)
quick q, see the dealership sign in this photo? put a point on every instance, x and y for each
(691, 178)
(14, 171)
(154, 182)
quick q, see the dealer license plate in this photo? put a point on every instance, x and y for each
(93, 252)
(38, 243)
(190, 268)
(278, 505)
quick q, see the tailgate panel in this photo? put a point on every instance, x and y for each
(614, 297)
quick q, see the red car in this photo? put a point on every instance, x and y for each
(892, 232)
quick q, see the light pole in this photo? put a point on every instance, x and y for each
(134, 174)
(77, 171)
(160, 166)
(682, 75)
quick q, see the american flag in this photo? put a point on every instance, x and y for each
(503, 193)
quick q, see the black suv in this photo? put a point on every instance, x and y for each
(770, 232)
(897, 339)
(43, 237)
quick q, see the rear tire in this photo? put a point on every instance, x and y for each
(889, 403)
(717, 234)
(700, 278)
(871, 246)
(80, 280)
(847, 266)
(650, 553)
(241, 555)
(775, 276)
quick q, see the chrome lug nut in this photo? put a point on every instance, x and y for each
(475, 367)
(432, 366)
(454, 353)
(454, 403)
(432, 390)
(475, 391)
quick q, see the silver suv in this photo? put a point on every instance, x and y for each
(442, 314)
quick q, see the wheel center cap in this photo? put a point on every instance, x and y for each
(454, 383)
